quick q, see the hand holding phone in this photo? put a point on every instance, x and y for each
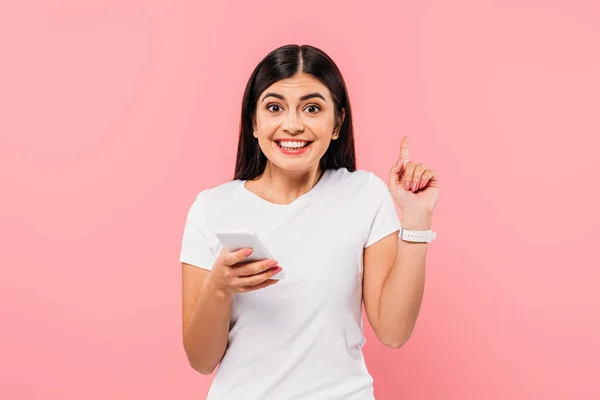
(236, 240)
(239, 268)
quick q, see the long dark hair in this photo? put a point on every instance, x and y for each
(285, 62)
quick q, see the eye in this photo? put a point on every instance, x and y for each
(273, 105)
(313, 106)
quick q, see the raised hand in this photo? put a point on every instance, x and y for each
(412, 185)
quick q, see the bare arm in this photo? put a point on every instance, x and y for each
(206, 316)
(394, 282)
(207, 300)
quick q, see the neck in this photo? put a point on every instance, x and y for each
(283, 186)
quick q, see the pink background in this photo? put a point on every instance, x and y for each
(114, 114)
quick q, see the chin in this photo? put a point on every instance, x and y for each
(294, 165)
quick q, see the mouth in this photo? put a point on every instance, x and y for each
(293, 145)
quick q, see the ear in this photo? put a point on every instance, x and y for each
(341, 119)
(254, 128)
(335, 134)
(336, 130)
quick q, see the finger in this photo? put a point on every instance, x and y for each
(234, 257)
(416, 182)
(255, 267)
(263, 284)
(395, 171)
(424, 179)
(404, 149)
(407, 176)
(256, 279)
(433, 180)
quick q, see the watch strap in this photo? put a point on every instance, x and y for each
(410, 235)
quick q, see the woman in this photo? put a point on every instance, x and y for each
(333, 229)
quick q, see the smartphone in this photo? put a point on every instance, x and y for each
(236, 240)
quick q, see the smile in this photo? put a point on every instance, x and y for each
(292, 146)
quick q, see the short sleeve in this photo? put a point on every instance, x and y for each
(384, 216)
(195, 245)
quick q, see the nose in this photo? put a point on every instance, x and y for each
(292, 123)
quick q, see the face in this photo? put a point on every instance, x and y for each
(295, 122)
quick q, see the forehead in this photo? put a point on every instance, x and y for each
(297, 86)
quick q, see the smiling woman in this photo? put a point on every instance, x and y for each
(332, 228)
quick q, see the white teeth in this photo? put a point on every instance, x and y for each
(292, 145)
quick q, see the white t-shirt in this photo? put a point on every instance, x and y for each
(301, 338)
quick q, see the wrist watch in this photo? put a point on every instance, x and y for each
(409, 235)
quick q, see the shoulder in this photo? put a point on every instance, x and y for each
(359, 179)
(210, 201)
(361, 189)
(218, 194)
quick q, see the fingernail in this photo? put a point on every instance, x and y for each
(272, 263)
(422, 185)
(277, 269)
(414, 186)
(407, 185)
(247, 252)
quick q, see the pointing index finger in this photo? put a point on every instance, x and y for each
(404, 149)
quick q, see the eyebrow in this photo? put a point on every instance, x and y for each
(305, 97)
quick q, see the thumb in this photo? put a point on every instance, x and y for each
(395, 173)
